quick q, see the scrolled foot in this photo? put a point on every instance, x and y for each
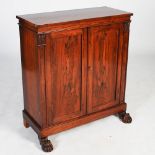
(46, 144)
(125, 117)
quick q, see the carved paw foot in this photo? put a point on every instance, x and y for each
(46, 144)
(125, 117)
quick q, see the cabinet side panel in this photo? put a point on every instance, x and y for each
(29, 73)
(125, 29)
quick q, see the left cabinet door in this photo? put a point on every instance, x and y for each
(65, 62)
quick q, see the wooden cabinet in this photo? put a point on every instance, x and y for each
(74, 68)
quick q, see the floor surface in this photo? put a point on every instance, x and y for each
(108, 136)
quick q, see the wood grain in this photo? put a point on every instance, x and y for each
(103, 50)
(65, 83)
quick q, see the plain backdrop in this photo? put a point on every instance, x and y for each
(105, 136)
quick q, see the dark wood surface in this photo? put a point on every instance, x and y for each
(65, 87)
(73, 73)
(103, 49)
(72, 15)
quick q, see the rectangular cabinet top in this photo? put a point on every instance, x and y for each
(50, 18)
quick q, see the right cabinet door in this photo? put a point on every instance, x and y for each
(104, 67)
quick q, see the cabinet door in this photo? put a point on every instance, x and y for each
(65, 75)
(103, 68)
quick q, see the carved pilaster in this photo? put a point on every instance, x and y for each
(40, 53)
(41, 39)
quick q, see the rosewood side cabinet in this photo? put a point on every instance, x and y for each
(73, 68)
